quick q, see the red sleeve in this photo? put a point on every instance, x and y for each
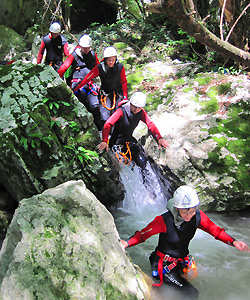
(92, 74)
(151, 125)
(109, 123)
(96, 60)
(156, 226)
(217, 232)
(40, 53)
(65, 65)
(124, 83)
(66, 49)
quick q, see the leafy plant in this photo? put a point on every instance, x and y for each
(34, 139)
(79, 153)
(55, 105)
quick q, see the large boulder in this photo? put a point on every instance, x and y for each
(205, 119)
(18, 15)
(48, 137)
(63, 244)
(12, 45)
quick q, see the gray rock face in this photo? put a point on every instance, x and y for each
(206, 124)
(63, 244)
(44, 135)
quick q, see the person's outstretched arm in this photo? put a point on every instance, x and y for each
(107, 127)
(91, 75)
(219, 233)
(156, 226)
(152, 127)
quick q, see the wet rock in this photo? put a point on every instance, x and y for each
(47, 135)
(63, 244)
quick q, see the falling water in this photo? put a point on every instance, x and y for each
(223, 271)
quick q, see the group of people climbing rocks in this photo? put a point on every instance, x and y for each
(117, 117)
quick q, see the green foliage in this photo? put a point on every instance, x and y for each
(53, 105)
(232, 154)
(211, 106)
(33, 138)
(79, 153)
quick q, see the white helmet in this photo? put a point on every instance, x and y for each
(138, 99)
(85, 41)
(185, 197)
(55, 27)
(109, 51)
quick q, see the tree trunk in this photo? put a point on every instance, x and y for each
(185, 19)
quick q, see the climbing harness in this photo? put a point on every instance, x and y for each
(165, 258)
(103, 100)
(94, 88)
(123, 157)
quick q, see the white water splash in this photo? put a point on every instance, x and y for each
(143, 190)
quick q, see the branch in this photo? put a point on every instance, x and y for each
(231, 30)
(176, 9)
(221, 19)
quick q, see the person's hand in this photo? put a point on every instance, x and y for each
(124, 244)
(103, 146)
(163, 143)
(241, 246)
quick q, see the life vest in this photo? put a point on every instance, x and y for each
(110, 77)
(176, 240)
(54, 48)
(82, 63)
(124, 127)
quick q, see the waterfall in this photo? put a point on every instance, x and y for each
(143, 189)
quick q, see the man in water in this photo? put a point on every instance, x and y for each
(125, 120)
(177, 227)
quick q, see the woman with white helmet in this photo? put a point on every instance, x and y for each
(176, 228)
(82, 60)
(124, 121)
(56, 46)
(113, 82)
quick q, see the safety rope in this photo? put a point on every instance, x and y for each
(103, 100)
(123, 157)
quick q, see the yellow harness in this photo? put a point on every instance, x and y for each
(103, 100)
(123, 157)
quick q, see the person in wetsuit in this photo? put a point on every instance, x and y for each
(125, 120)
(176, 228)
(113, 83)
(55, 45)
(82, 60)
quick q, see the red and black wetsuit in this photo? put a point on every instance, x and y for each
(112, 79)
(82, 64)
(113, 85)
(174, 241)
(55, 48)
(125, 122)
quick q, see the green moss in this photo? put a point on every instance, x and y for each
(209, 106)
(177, 82)
(187, 89)
(134, 79)
(235, 140)
(203, 80)
(218, 89)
